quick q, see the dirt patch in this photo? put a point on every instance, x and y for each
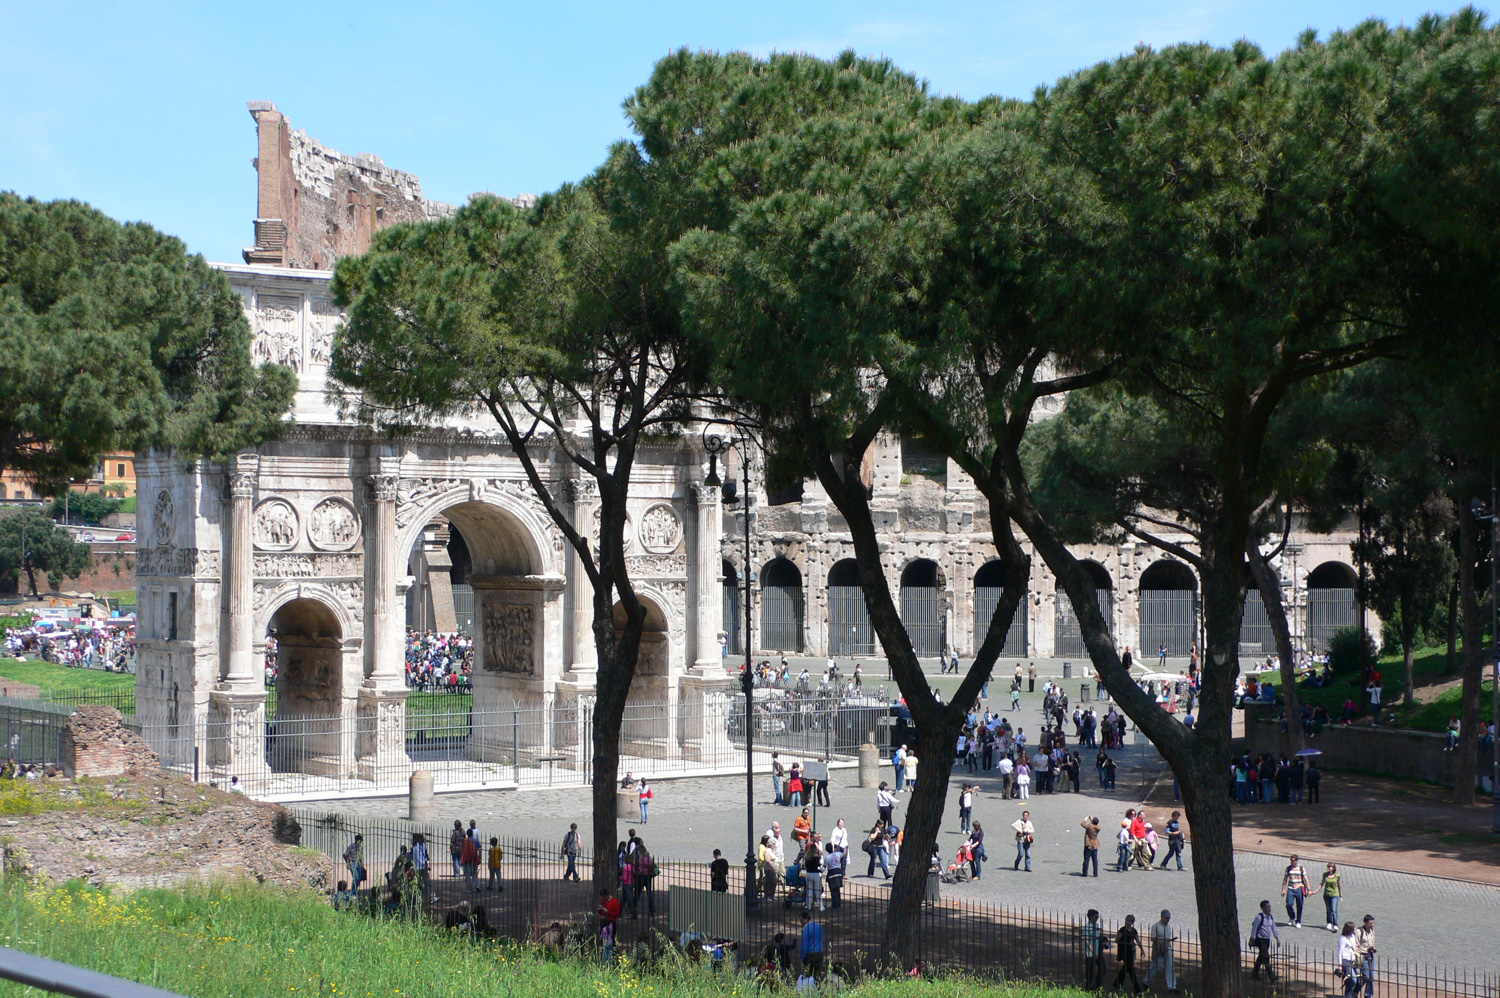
(143, 830)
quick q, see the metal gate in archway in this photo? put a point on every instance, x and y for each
(1067, 635)
(986, 598)
(849, 630)
(1328, 611)
(1256, 637)
(1168, 616)
(781, 608)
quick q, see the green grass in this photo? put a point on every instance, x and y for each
(62, 679)
(245, 939)
(128, 596)
(128, 505)
(1429, 665)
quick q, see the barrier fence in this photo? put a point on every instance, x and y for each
(960, 935)
(545, 742)
(32, 732)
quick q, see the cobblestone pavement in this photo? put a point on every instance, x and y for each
(1434, 920)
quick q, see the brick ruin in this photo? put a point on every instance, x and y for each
(95, 742)
(315, 205)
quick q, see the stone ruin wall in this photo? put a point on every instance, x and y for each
(316, 205)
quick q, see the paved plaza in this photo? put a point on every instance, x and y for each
(1430, 919)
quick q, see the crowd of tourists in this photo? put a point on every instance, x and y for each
(439, 662)
(1266, 779)
(106, 645)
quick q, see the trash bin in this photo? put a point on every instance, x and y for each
(1084, 692)
(1067, 670)
(933, 887)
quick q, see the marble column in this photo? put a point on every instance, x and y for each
(241, 673)
(706, 574)
(381, 744)
(237, 706)
(582, 496)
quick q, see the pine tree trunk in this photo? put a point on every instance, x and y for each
(1409, 660)
(1452, 662)
(1209, 818)
(1269, 586)
(605, 785)
(924, 818)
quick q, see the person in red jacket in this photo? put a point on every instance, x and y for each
(609, 914)
(468, 858)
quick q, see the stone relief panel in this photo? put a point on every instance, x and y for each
(333, 525)
(163, 518)
(323, 322)
(176, 561)
(629, 530)
(657, 566)
(276, 322)
(307, 566)
(661, 530)
(509, 639)
(275, 525)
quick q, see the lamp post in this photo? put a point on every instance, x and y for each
(716, 444)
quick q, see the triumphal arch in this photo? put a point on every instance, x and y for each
(305, 545)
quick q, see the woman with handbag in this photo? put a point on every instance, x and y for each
(1348, 967)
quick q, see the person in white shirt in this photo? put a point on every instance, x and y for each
(885, 803)
(778, 849)
(839, 837)
(1025, 833)
(1007, 776)
(911, 769)
(1161, 952)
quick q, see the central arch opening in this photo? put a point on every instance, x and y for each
(1332, 603)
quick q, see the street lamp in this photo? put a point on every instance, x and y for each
(716, 444)
(1494, 521)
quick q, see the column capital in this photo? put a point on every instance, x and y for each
(577, 490)
(242, 484)
(703, 495)
(383, 487)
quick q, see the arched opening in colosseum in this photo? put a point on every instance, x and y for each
(781, 607)
(1332, 603)
(922, 607)
(1169, 610)
(1067, 636)
(989, 582)
(849, 630)
(733, 611)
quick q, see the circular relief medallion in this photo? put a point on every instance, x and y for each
(333, 525)
(275, 525)
(660, 531)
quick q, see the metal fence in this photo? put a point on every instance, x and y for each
(32, 731)
(921, 612)
(121, 700)
(544, 742)
(1255, 627)
(1067, 635)
(849, 628)
(955, 934)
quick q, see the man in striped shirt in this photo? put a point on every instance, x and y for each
(1294, 885)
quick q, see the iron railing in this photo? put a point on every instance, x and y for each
(546, 742)
(954, 935)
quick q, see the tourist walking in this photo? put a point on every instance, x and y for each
(811, 951)
(1161, 939)
(1175, 840)
(718, 874)
(821, 786)
(609, 913)
(1093, 952)
(570, 846)
(1127, 944)
(497, 854)
(468, 854)
(419, 861)
(977, 855)
(965, 807)
(1364, 941)
(354, 859)
(885, 803)
(911, 769)
(1025, 834)
(812, 872)
(1122, 847)
(776, 773)
(1294, 885)
(1262, 934)
(1349, 962)
(645, 794)
(1090, 845)
(1332, 890)
(874, 844)
(456, 847)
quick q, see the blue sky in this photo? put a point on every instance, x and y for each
(140, 108)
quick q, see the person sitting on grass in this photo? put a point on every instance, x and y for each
(343, 897)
